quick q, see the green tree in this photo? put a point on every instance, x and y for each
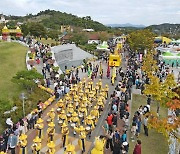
(141, 40)
(25, 29)
(26, 79)
(37, 29)
(53, 34)
(79, 38)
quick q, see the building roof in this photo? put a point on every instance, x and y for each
(93, 37)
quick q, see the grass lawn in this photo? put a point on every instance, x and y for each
(48, 41)
(12, 58)
(155, 143)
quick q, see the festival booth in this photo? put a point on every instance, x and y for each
(170, 58)
(161, 39)
(104, 46)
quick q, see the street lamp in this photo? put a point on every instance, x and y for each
(23, 97)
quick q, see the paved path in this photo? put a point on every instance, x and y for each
(89, 142)
(98, 130)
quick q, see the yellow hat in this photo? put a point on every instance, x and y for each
(51, 144)
(89, 117)
(74, 114)
(81, 128)
(62, 112)
(96, 107)
(64, 125)
(83, 105)
(84, 98)
(70, 105)
(107, 86)
(70, 148)
(72, 89)
(60, 101)
(51, 124)
(37, 140)
(40, 121)
(75, 96)
(23, 137)
(52, 110)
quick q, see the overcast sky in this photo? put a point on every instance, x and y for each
(144, 12)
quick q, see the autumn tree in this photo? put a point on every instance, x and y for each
(149, 65)
(141, 40)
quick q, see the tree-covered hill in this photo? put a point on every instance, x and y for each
(52, 19)
(166, 29)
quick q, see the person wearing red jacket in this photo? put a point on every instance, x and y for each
(137, 148)
(110, 120)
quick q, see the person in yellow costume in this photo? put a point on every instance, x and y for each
(91, 97)
(70, 149)
(62, 117)
(23, 144)
(113, 75)
(91, 83)
(106, 90)
(51, 148)
(70, 110)
(51, 131)
(67, 98)
(76, 102)
(100, 106)
(36, 147)
(39, 126)
(2, 152)
(51, 115)
(75, 89)
(89, 125)
(100, 84)
(75, 121)
(97, 89)
(99, 145)
(82, 112)
(65, 132)
(61, 106)
(103, 93)
(95, 114)
(84, 83)
(81, 93)
(101, 96)
(82, 135)
(86, 90)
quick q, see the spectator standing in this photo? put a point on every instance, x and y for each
(145, 125)
(12, 142)
(137, 148)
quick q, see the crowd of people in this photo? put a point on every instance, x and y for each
(117, 122)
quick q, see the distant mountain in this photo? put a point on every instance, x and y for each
(126, 25)
(166, 29)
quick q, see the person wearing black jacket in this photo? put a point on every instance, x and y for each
(2, 144)
(117, 147)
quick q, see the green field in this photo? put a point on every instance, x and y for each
(12, 59)
(155, 143)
